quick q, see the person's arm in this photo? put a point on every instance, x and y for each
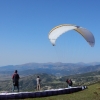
(13, 76)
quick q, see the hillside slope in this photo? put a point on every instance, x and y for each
(28, 83)
(92, 93)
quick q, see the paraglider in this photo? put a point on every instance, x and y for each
(61, 29)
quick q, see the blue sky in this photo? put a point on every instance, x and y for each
(25, 25)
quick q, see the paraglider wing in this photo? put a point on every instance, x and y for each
(61, 29)
(87, 35)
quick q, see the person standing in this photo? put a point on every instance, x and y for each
(15, 78)
(38, 82)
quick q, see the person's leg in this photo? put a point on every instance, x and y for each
(13, 88)
(68, 86)
(39, 86)
(17, 85)
(18, 88)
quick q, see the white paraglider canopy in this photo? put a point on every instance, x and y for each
(61, 29)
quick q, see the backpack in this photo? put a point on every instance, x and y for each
(15, 78)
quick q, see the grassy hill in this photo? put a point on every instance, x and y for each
(92, 93)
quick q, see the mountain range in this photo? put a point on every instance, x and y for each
(58, 68)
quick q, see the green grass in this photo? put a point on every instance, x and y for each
(92, 93)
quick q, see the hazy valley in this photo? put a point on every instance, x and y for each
(53, 75)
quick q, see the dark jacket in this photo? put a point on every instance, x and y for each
(15, 78)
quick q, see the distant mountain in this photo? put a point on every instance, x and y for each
(94, 63)
(50, 68)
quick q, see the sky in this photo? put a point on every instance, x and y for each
(25, 25)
